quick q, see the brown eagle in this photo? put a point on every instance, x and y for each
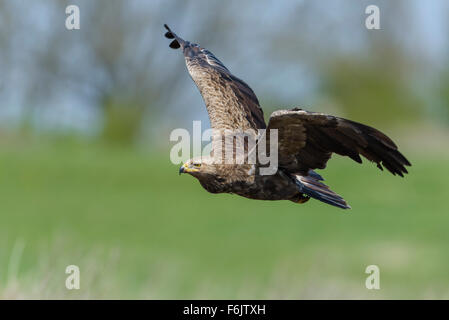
(306, 140)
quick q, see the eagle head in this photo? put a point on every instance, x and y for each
(197, 167)
(207, 173)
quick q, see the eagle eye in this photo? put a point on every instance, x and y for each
(197, 165)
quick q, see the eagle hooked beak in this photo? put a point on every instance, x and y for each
(186, 169)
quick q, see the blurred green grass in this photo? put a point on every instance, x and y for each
(138, 230)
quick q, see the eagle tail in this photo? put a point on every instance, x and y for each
(177, 42)
(311, 186)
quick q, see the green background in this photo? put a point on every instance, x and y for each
(137, 229)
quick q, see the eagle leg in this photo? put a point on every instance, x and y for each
(301, 198)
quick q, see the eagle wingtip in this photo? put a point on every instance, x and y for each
(169, 34)
(175, 44)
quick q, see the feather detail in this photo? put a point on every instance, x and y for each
(312, 187)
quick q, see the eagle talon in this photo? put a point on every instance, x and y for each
(302, 198)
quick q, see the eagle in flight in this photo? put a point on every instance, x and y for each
(306, 140)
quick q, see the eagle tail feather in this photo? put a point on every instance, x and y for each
(312, 187)
(315, 175)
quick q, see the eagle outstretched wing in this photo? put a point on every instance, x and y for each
(306, 140)
(230, 102)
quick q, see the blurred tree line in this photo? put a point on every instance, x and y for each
(292, 54)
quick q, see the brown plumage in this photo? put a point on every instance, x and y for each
(306, 140)
(230, 102)
(317, 136)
